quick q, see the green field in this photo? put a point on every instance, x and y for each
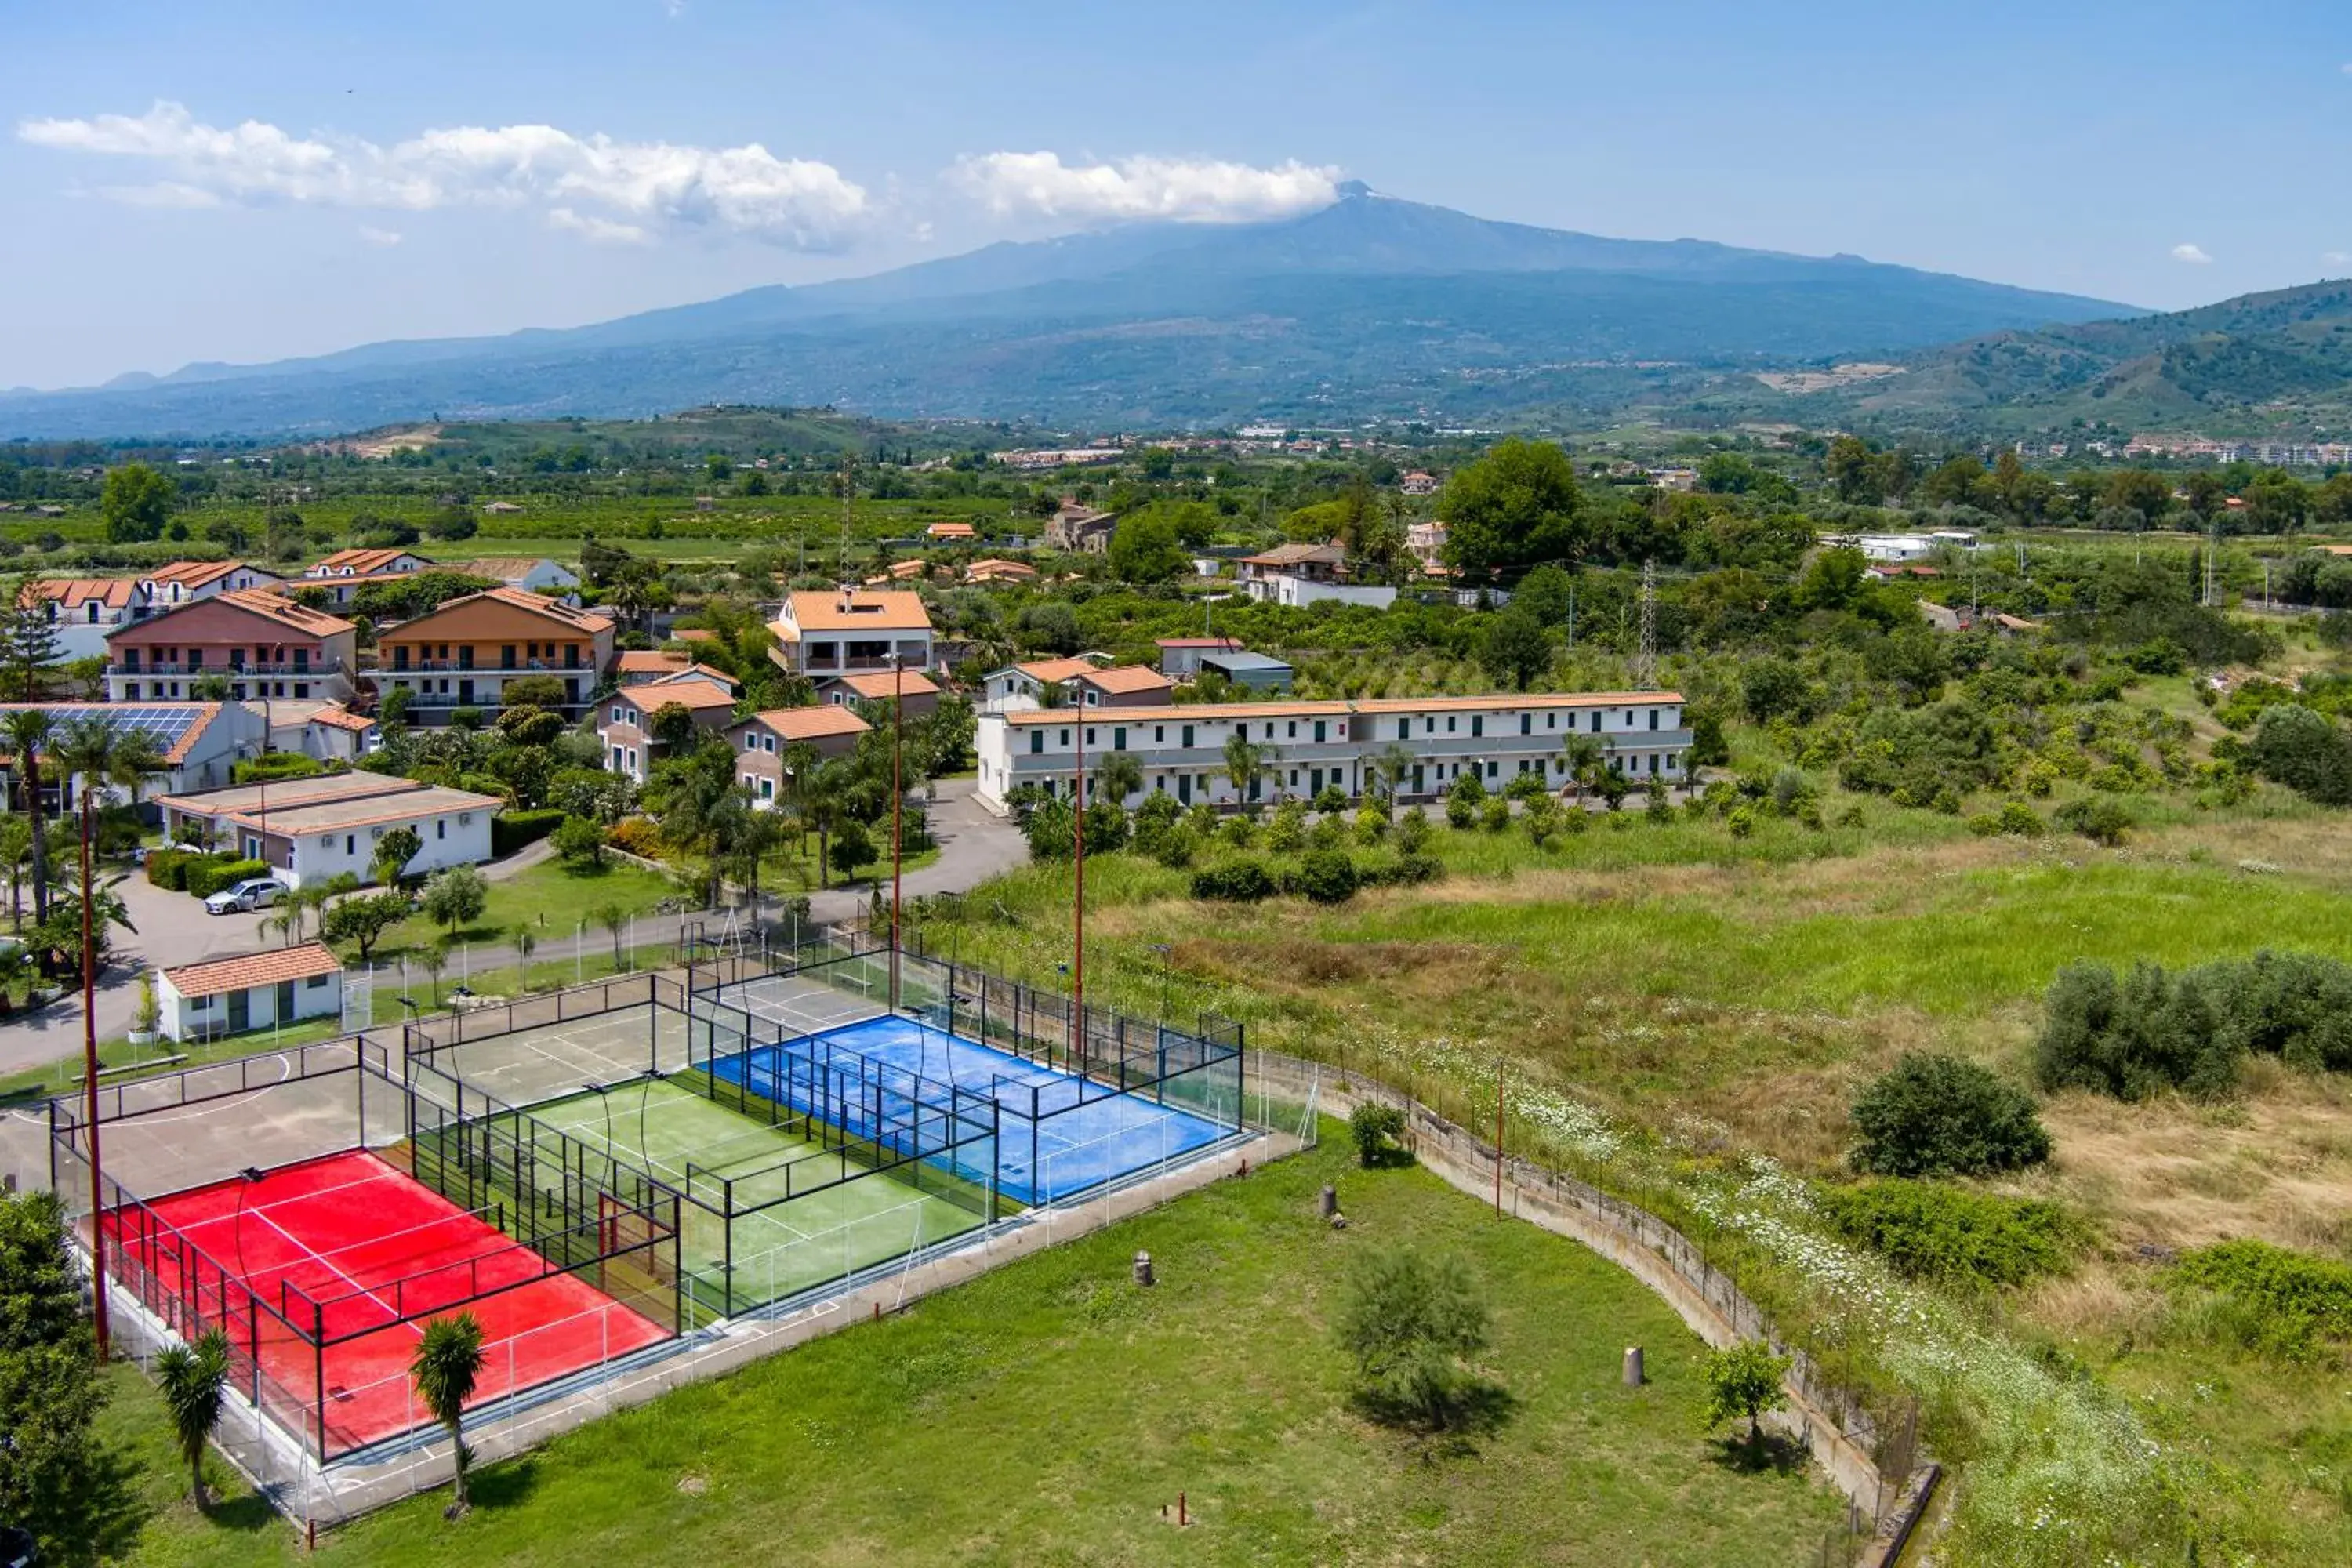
(1047, 1413)
(551, 899)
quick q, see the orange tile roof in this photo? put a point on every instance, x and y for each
(343, 815)
(810, 723)
(273, 605)
(650, 661)
(361, 561)
(693, 634)
(875, 685)
(1125, 677)
(996, 567)
(951, 530)
(1207, 712)
(254, 969)
(518, 598)
(1050, 670)
(337, 716)
(68, 711)
(695, 691)
(505, 568)
(113, 592)
(821, 612)
(194, 573)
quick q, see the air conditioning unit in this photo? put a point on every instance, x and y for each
(375, 833)
(465, 819)
(325, 841)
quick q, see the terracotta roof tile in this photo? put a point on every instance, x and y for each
(875, 685)
(1125, 678)
(884, 611)
(825, 719)
(1509, 701)
(254, 969)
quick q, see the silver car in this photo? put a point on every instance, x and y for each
(253, 893)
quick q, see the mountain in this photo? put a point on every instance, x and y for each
(2258, 362)
(1369, 307)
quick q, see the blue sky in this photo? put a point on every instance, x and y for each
(196, 181)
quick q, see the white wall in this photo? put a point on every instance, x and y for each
(449, 841)
(1297, 593)
(193, 1017)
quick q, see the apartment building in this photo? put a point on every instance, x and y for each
(342, 574)
(184, 582)
(1302, 747)
(463, 654)
(920, 691)
(764, 744)
(83, 612)
(262, 643)
(312, 830)
(851, 629)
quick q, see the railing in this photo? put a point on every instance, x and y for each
(453, 666)
(322, 666)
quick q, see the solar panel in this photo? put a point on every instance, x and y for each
(164, 725)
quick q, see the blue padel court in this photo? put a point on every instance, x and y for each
(1058, 1133)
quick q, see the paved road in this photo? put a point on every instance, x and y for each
(172, 927)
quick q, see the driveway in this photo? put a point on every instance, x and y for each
(172, 930)
(975, 844)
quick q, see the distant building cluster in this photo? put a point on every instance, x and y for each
(2270, 454)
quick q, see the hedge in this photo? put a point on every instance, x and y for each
(217, 872)
(1243, 880)
(510, 830)
(169, 868)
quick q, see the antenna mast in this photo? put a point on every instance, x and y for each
(1645, 664)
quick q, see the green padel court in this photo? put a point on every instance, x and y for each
(814, 1213)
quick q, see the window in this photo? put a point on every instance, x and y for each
(1596, 721)
(616, 712)
(1291, 730)
(1526, 724)
(1477, 725)
(1654, 717)
(1065, 739)
(316, 983)
(1091, 735)
(1404, 729)
(1159, 734)
(351, 843)
(768, 744)
(1449, 723)
(200, 1004)
(440, 828)
(1188, 734)
(1491, 769)
(1551, 720)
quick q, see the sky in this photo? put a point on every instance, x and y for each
(200, 181)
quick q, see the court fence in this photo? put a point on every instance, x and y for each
(282, 1338)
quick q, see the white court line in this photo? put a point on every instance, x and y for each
(357, 1289)
(225, 1102)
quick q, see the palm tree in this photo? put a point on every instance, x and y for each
(615, 920)
(190, 1378)
(1392, 765)
(1243, 763)
(434, 960)
(25, 733)
(1121, 775)
(15, 848)
(1584, 753)
(446, 1365)
(136, 760)
(753, 838)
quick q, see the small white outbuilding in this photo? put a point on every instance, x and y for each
(230, 995)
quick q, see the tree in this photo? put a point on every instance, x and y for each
(1245, 765)
(1144, 547)
(364, 921)
(28, 645)
(1746, 1381)
(15, 854)
(1515, 648)
(1409, 1319)
(674, 729)
(531, 692)
(852, 847)
(50, 1392)
(1545, 594)
(444, 1367)
(455, 895)
(1516, 505)
(2305, 750)
(580, 841)
(191, 1379)
(1935, 1115)
(615, 920)
(452, 522)
(1375, 1127)
(135, 502)
(26, 733)
(1119, 777)
(392, 853)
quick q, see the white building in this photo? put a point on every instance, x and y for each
(83, 612)
(1891, 547)
(311, 830)
(1297, 593)
(231, 995)
(836, 633)
(184, 582)
(1302, 747)
(202, 742)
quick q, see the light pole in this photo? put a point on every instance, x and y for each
(1078, 902)
(1163, 950)
(897, 802)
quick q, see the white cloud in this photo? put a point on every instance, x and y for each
(2194, 255)
(603, 231)
(1039, 185)
(2335, 257)
(607, 189)
(385, 237)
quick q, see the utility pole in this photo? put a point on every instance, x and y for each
(848, 493)
(1571, 614)
(897, 801)
(1645, 664)
(1079, 902)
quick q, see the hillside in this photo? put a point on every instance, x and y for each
(1370, 307)
(2260, 361)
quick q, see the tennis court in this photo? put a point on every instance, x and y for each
(771, 1209)
(323, 1272)
(1061, 1133)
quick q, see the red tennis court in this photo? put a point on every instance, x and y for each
(322, 1274)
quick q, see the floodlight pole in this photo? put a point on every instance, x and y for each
(1499, 1137)
(898, 803)
(89, 1081)
(1079, 903)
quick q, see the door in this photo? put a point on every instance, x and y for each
(1416, 779)
(465, 694)
(240, 1010)
(1185, 788)
(285, 1014)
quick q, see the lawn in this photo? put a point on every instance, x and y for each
(1048, 1411)
(551, 899)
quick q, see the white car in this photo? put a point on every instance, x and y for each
(253, 893)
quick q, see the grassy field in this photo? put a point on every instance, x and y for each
(1046, 1414)
(551, 898)
(1712, 998)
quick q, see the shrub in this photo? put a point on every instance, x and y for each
(455, 895)
(1238, 833)
(1464, 799)
(2018, 818)
(1525, 786)
(2102, 819)
(464, 718)
(214, 872)
(2276, 1299)
(2307, 752)
(1372, 825)
(1328, 876)
(272, 766)
(1177, 847)
(1244, 879)
(1742, 821)
(1287, 833)
(1375, 1128)
(1408, 1320)
(1495, 815)
(1927, 1230)
(1329, 800)
(1413, 869)
(1934, 1115)
(169, 868)
(1412, 830)
(1745, 1381)
(636, 835)
(511, 830)
(580, 841)
(2133, 1037)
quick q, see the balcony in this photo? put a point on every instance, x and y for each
(457, 667)
(323, 666)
